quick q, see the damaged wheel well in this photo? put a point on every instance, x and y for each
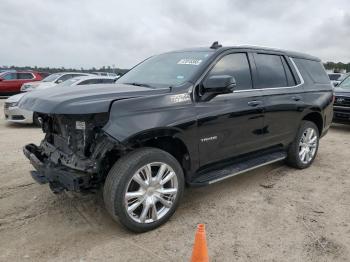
(173, 146)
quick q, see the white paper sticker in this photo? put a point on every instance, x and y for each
(188, 61)
(80, 125)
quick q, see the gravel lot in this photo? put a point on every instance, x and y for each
(274, 213)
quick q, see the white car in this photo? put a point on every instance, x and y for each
(336, 78)
(16, 115)
(51, 80)
(106, 74)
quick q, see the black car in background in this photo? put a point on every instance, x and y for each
(342, 102)
(191, 117)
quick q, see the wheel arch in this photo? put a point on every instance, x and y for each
(316, 118)
(167, 139)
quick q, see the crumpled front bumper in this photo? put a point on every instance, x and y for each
(59, 177)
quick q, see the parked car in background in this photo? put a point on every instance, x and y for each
(335, 78)
(88, 80)
(15, 114)
(192, 117)
(11, 81)
(106, 74)
(342, 102)
(51, 81)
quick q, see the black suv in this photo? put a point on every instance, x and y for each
(342, 102)
(192, 117)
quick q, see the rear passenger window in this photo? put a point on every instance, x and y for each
(108, 81)
(289, 75)
(314, 70)
(87, 82)
(235, 65)
(271, 72)
(24, 76)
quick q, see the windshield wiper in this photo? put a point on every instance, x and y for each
(138, 84)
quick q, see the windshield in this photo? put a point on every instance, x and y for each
(343, 77)
(51, 78)
(170, 69)
(345, 83)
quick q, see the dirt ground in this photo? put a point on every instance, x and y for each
(274, 213)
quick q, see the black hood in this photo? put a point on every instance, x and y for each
(85, 99)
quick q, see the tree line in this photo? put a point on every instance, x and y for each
(337, 66)
(329, 65)
(52, 70)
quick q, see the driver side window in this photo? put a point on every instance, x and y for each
(235, 65)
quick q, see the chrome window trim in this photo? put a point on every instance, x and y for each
(283, 87)
(253, 89)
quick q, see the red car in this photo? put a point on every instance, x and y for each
(11, 82)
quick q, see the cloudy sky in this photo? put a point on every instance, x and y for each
(86, 33)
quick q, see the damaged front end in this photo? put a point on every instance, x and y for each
(72, 156)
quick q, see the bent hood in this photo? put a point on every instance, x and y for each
(86, 99)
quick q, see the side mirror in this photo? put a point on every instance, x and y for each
(335, 84)
(1, 79)
(219, 84)
(59, 81)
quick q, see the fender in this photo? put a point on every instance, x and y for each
(323, 107)
(171, 114)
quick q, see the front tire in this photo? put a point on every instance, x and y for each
(143, 189)
(302, 152)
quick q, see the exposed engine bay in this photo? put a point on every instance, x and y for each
(73, 144)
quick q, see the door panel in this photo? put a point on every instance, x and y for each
(7, 86)
(229, 125)
(283, 108)
(281, 95)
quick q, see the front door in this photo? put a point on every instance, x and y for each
(230, 124)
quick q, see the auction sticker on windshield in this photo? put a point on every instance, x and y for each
(187, 61)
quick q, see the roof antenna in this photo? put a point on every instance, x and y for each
(215, 45)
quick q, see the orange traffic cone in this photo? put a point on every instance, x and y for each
(200, 250)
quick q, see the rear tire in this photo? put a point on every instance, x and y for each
(302, 152)
(143, 189)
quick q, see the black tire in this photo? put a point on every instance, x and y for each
(118, 179)
(293, 158)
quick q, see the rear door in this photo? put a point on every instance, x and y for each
(230, 124)
(23, 77)
(9, 83)
(282, 96)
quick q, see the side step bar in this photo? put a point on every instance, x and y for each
(213, 176)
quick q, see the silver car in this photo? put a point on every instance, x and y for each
(51, 80)
(16, 115)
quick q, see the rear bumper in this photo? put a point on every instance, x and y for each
(341, 114)
(60, 178)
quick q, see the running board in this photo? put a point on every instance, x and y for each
(213, 176)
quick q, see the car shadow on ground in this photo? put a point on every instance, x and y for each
(20, 126)
(341, 127)
(91, 206)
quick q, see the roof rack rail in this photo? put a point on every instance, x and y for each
(215, 45)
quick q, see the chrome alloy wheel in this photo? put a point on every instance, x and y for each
(308, 145)
(151, 192)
